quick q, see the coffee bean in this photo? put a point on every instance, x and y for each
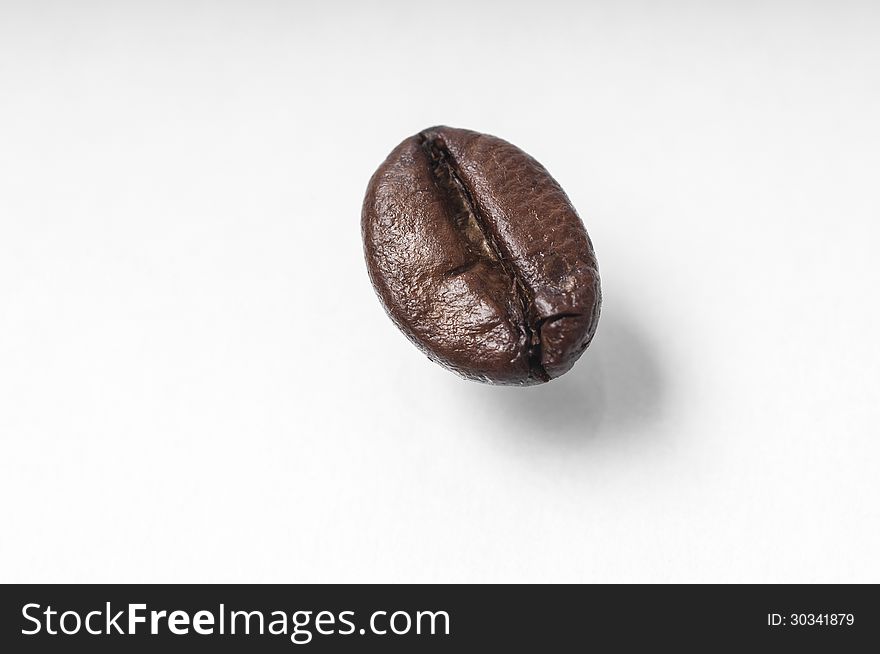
(479, 257)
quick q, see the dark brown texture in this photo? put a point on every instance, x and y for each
(479, 257)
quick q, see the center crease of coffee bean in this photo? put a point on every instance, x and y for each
(479, 238)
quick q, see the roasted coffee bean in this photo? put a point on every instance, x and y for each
(479, 257)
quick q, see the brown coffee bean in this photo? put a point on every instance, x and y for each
(479, 257)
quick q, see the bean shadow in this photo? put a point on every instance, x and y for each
(615, 391)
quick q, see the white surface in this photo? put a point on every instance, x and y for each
(197, 382)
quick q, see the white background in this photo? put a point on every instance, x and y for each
(197, 382)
